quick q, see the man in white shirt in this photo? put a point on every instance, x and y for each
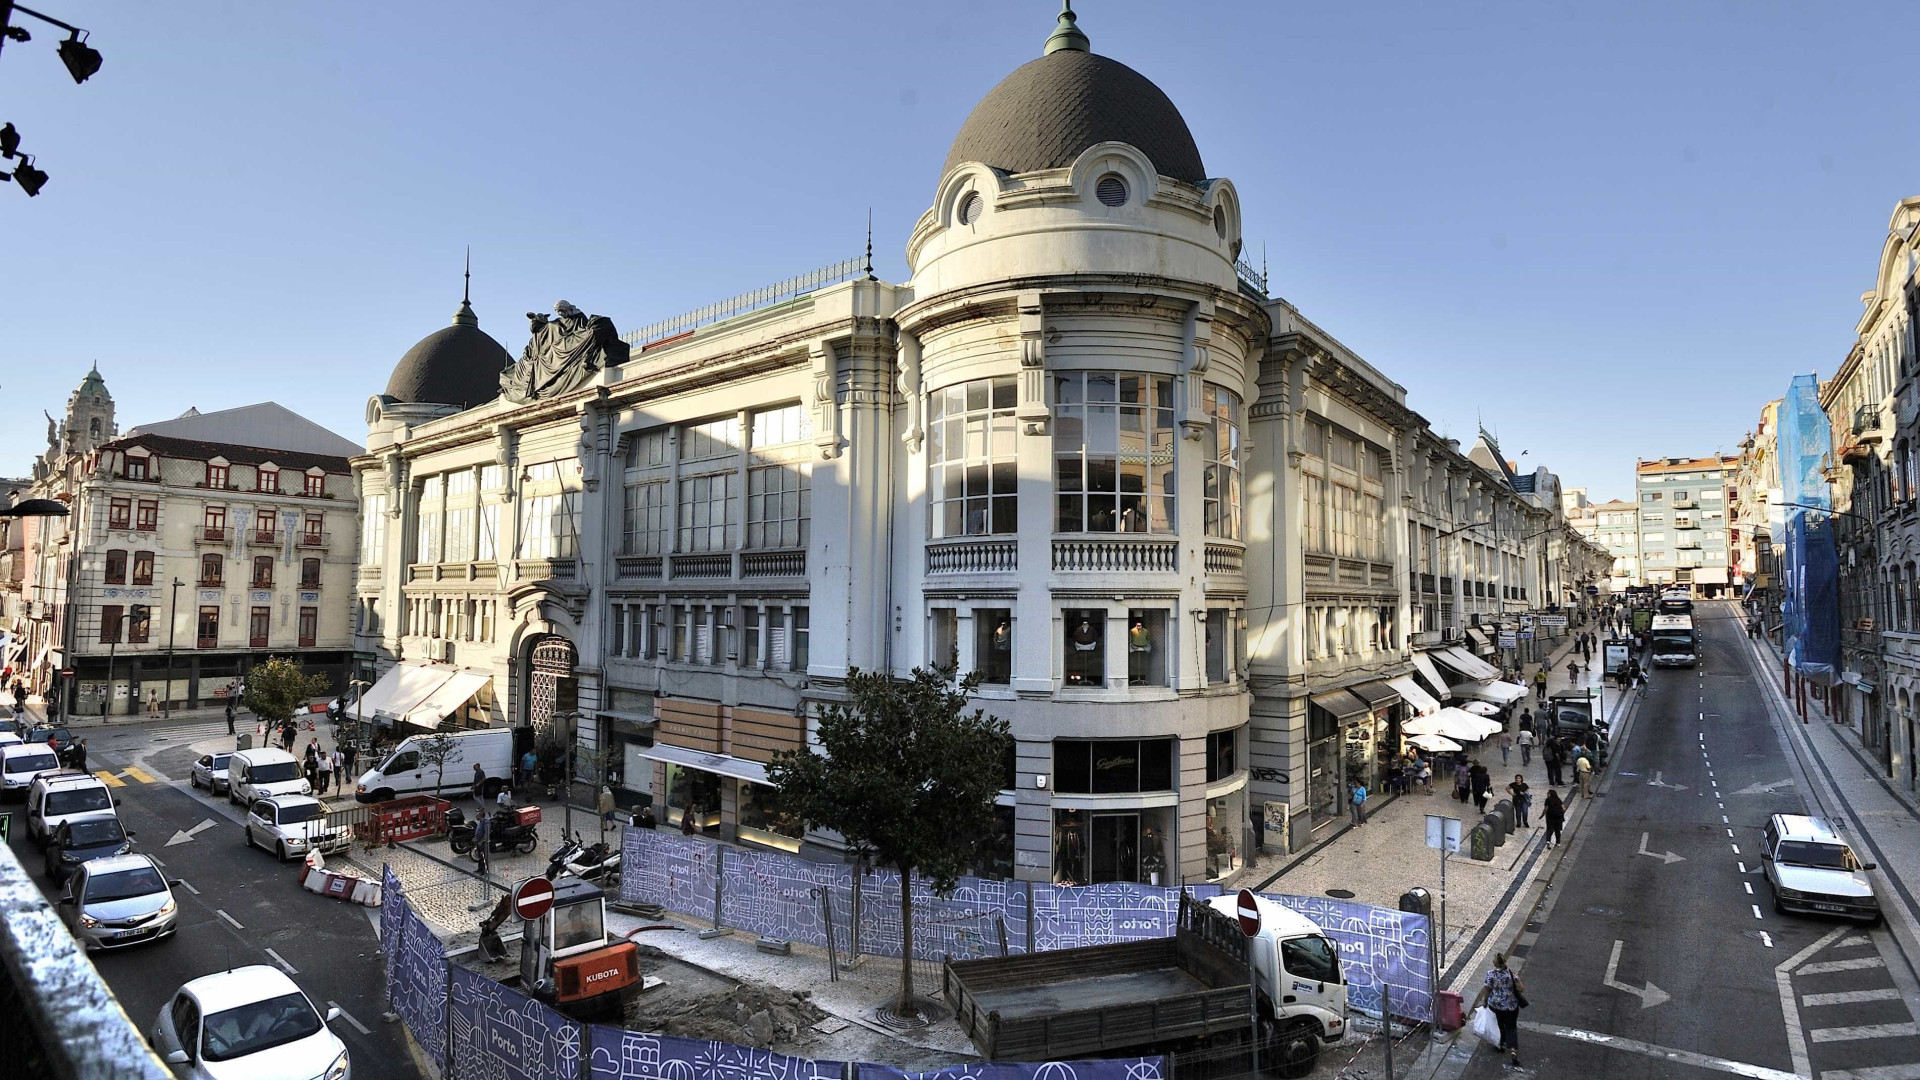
(1525, 739)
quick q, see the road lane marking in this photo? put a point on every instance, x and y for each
(1650, 996)
(1830, 966)
(1851, 997)
(1864, 1031)
(136, 773)
(109, 779)
(348, 1017)
(1756, 910)
(1735, 847)
(1766, 939)
(1743, 868)
(1856, 941)
(231, 921)
(187, 885)
(1749, 886)
(1729, 833)
(1723, 819)
(282, 961)
(186, 835)
(1682, 1057)
(1789, 1009)
(1871, 1072)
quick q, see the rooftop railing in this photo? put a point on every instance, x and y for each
(745, 302)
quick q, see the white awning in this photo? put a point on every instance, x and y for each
(738, 768)
(1479, 637)
(401, 688)
(1455, 724)
(1466, 663)
(1427, 671)
(1422, 703)
(450, 695)
(1500, 693)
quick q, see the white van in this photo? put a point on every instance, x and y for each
(257, 774)
(404, 772)
(55, 798)
(20, 763)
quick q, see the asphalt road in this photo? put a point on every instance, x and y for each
(1648, 965)
(241, 907)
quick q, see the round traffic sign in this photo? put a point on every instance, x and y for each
(533, 898)
(1249, 913)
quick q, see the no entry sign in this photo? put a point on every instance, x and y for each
(533, 898)
(1249, 913)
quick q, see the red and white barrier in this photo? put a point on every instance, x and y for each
(337, 885)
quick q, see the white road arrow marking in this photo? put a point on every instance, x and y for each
(1650, 996)
(1660, 780)
(1764, 789)
(1667, 857)
(188, 835)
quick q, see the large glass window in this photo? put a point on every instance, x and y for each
(1113, 452)
(1222, 449)
(943, 648)
(777, 506)
(143, 568)
(1221, 757)
(993, 645)
(780, 425)
(1147, 647)
(1112, 766)
(550, 526)
(648, 524)
(706, 512)
(373, 530)
(1086, 647)
(971, 469)
(1218, 636)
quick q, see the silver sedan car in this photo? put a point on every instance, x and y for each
(210, 772)
(119, 901)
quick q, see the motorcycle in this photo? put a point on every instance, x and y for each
(506, 833)
(599, 863)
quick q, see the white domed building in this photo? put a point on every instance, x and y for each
(1060, 455)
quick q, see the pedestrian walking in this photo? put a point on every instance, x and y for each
(1540, 683)
(153, 703)
(529, 763)
(1525, 739)
(1482, 786)
(686, 820)
(1506, 996)
(1573, 673)
(229, 716)
(1462, 777)
(1506, 748)
(1583, 771)
(643, 816)
(482, 836)
(606, 809)
(1522, 798)
(79, 755)
(1358, 798)
(350, 753)
(339, 769)
(480, 787)
(1556, 816)
(1526, 719)
(1550, 757)
(323, 766)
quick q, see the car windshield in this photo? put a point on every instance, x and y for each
(257, 1026)
(77, 801)
(1675, 641)
(26, 763)
(1819, 856)
(124, 884)
(1310, 958)
(217, 762)
(273, 772)
(95, 833)
(303, 812)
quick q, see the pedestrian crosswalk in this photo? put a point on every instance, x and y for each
(1857, 1024)
(131, 772)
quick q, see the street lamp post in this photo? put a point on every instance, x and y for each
(173, 624)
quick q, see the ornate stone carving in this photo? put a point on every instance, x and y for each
(564, 352)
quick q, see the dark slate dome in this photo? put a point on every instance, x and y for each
(457, 365)
(1049, 110)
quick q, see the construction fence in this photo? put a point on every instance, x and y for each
(854, 912)
(474, 1028)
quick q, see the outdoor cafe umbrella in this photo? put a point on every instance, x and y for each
(1438, 744)
(1481, 708)
(1452, 724)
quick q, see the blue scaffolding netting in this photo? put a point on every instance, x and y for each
(1809, 567)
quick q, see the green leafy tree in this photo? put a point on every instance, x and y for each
(280, 689)
(908, 778)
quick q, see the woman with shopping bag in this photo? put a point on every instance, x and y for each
(1504, 996)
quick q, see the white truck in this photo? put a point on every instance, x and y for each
(406, 770)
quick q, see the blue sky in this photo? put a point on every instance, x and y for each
(1604, 230)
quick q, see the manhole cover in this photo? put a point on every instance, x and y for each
(1340, 894)
(926, 1011)
(1606, 911)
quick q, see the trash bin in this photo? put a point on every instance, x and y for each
(1496, 828)
(1505, 809)
(1418, 901)
(1449, 1016)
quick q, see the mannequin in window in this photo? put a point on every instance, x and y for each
(1084, 639)
(1139, 649)
(1003, 636)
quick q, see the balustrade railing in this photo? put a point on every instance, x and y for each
(995, 556)
(1115, 555)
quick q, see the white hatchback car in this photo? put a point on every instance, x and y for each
(250, 1022)
(19, 765)
(292, 825)
(210, 772)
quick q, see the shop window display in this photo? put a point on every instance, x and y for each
(763, 821)
(993, 645)
(1147, 647)
(693, 788)
(1086, 648)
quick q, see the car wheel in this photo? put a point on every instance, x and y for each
(52, 868)
(280, 850)
(193, 780)
(249, 836)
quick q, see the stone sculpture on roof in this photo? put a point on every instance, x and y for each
(564, 352)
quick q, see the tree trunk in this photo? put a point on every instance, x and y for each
(906, 1006)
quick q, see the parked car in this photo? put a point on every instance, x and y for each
(20, 764)
(262, 773)
(65, 796)
(292, 825)
(210, 772)
(119, 901)
(62, 737)
(1811, 869)
(248, 1022)
(8, 738)
(76, 842)
(405, 772)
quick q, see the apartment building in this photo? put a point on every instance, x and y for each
(1683, 522)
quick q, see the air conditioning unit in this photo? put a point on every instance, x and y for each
(436, 650)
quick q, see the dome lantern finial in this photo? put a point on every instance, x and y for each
(465, 316)
(1066, 35)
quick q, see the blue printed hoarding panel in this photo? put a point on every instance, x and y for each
(1146, 1068)
(617, 1054)
(1379, 948)
(420, 986)
(502, 1034)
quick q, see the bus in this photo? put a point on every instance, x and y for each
(1675, 602)
(1673, 644)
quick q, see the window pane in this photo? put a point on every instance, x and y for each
(1085, 647)
(993, 645)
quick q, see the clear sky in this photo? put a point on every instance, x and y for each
(1605, 230)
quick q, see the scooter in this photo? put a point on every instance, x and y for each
(599, 863)
(506, 833)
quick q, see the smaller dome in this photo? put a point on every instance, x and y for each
(457, 365)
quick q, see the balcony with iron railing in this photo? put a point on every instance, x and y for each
(210, 534)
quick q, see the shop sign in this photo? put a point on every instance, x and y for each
(1553, 620)
(1508, 639)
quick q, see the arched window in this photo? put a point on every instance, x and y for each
(210, 569)
(310, 573)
